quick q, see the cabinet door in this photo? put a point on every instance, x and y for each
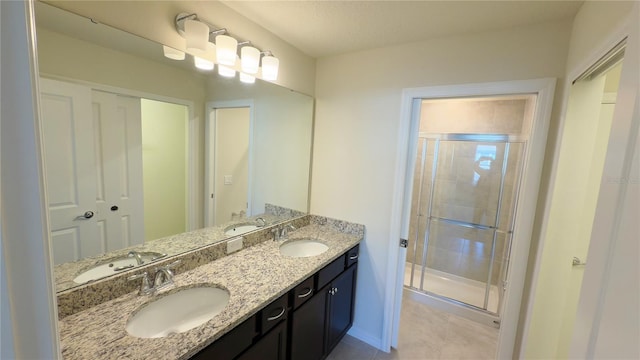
(307, 328)
(272, 346)
(340, 316)
(231, 344)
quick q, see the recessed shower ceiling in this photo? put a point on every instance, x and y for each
(322, 28)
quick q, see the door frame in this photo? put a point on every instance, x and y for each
(192, 151)
(526, 208)
(209, 149)
(597, 262)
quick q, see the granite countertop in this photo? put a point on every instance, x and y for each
(170, 245)
(254, 276)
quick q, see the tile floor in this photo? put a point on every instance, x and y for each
(427, 333)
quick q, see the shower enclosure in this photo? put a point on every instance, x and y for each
(464, 197)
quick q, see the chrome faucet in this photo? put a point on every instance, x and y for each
(285, 230)
(145, 286)
(163, 277)
(135, 254)
(261, 222)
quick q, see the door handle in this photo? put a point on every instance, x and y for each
(86, 216)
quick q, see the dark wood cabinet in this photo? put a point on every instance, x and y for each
(231, 344)
(340, 307)
(272, 346)
(308, 330)
(304, 324)
(319, 325)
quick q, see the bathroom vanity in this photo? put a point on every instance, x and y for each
(307, 322)
(279, 306)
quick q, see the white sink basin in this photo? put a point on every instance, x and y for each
(114, 266)
(303, 248)
(239, 229)
(178, 312)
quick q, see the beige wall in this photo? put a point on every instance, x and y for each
(154, 20)
(357, 118)
(164, 168)
(592, 28)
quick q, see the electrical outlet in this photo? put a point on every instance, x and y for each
(234, 245)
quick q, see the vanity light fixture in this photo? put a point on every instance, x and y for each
(270, 65)
(247, 79)
(204, 60)
(226, 49)
(196, 34)
(203, 64)
(249, 59)
(226, 71)
(172, 53)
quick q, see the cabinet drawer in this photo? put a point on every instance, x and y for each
(275, 312)
(352, 255)
(231, 344)
(330, 272)
(301, 293)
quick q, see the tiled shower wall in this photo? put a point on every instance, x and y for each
(463, 191)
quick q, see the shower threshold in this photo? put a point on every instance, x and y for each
(459, 295)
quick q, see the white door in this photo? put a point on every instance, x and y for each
(118, 152)
(70, 170)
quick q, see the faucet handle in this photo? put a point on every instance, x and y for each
(174, 264)
(145, 286)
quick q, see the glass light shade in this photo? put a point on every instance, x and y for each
(225, 71)
(247, 79)
(270, 66)
(250, 59)
(172, 53)
(203, 64)
(226, 49)
(197, 35)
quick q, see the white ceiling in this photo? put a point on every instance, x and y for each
(321, 27)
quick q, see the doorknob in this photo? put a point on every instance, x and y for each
(87, 215)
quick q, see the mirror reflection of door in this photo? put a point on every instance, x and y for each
(231, 163)
(101, 149)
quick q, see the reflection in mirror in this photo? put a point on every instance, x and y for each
(139, 149)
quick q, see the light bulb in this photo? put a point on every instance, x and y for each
(247, 79)
(225, 71)
(226, 49)
(197, 35)
(172, 53)
(203, 64)
(250, 59)
(270, 66)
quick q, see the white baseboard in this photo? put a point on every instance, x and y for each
(361, 335)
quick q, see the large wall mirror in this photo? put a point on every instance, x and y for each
(141, 149)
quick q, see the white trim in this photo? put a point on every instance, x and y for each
(192, 126)
(525, 213)
(209, 171)
(25, 228)
(617, 35)
(357, 333)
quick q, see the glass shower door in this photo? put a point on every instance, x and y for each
(462, 217)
